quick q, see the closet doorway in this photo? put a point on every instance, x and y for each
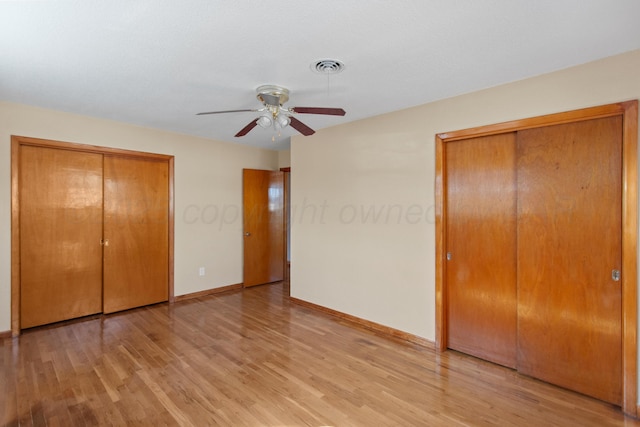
(536, 248)
(92, 230)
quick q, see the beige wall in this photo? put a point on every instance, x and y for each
(208, 191)
(363, 232)
(284, 159)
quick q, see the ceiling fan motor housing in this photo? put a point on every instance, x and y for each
(272, 95)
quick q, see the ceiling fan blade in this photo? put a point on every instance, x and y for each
(226, 111)
(245, 130)
(318, 110)
(301, 127)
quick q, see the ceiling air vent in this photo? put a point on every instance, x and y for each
(327, 66)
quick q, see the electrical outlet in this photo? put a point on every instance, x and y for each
(201, 271)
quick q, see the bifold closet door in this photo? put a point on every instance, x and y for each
(136, 232)
(60, 230)
(481, 247)
(569, 255)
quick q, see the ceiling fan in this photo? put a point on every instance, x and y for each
(273, 97)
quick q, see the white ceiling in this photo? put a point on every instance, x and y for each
(156, 63)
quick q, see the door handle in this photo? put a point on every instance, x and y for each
(104, 242)
(247, 234)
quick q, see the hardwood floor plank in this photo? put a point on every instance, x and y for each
(252, 358)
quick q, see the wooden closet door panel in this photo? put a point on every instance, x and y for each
(136, 232)
(481, 240)
(569, 241)
(60, 231)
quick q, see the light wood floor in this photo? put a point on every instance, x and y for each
(250, 358)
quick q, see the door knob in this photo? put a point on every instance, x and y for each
(247, 234)
(615, 275)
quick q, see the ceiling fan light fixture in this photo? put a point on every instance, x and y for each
(283, 121)
(264, 121)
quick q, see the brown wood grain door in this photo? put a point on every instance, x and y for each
(569, 242)
(263, 223)
(60, 231)
(136, 232)
(481, 247)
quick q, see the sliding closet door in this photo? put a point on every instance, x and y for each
(60, 231)
(136, 232)
(481, 247)
(569, 250)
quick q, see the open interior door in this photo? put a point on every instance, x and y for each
(263, 223)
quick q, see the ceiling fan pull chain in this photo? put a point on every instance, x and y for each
(328, 84)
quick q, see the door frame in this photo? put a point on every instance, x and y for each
(287, 223)
(629, 322)
(16, 143)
